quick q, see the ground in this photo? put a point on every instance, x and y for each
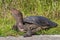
(35, 37)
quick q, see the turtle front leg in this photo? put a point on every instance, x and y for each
(28, 33)
(15, 27)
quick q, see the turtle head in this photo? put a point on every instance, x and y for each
(19, 18)
(17, 15)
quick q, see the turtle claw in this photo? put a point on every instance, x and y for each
(27, 35)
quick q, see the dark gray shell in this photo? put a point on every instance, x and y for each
(39, 20)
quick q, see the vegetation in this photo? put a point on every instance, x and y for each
(47, 8)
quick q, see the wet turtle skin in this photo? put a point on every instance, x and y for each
(31, 29)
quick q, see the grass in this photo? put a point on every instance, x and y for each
(47, 8)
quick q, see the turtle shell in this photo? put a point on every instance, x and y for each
(39, 20)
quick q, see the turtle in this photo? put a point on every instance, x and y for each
(31, 24)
